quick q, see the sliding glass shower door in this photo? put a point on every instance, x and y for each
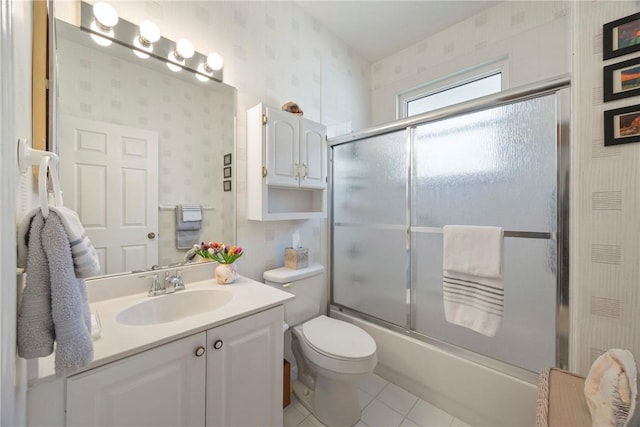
(370, 249)
(393, 192)
(496, 167)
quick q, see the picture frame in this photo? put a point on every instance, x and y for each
(622, 125)
(621, 80)
(226, 172)
(227, 159)
(620, 37)
(226, 185)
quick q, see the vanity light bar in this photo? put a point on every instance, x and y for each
(125, 32)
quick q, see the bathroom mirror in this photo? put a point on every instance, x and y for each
(136, 140)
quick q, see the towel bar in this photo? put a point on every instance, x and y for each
(549, 235)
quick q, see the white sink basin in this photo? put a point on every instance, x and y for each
(168, 308)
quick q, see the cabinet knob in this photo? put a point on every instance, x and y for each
(200, 351)
(217, 344)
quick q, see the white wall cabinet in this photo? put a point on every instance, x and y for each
(287, 165)
(228, 375)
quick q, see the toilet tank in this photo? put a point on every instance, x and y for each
(307, 284)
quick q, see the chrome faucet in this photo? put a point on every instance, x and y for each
(155, 288)
(173, 283)
(170, 284)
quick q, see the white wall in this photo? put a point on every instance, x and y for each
(274, 52)
(15, 111)
(605, 249)
(532, 36)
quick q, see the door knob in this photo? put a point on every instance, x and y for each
(151, 235)
(217, 344)
(199, 351)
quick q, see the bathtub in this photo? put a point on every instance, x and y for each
(472, 392)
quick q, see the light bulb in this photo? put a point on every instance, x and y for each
(149, 33)
(137, 43)
(174, 63)
(184, 49)
(102, 41)
(214, 61)
(201, 77)
(105, 15)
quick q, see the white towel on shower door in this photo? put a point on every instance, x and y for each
(472, 277)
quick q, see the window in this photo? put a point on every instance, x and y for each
(471, 84)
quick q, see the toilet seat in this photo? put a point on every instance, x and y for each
(338, 339)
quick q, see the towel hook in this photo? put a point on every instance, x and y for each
(27, 156)
(42, 186)
(43, 195)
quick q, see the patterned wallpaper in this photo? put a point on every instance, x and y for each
(274, 53)
(605, 247)
(533, 38)
(194, 123)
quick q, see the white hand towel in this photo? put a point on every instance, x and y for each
(472, 277)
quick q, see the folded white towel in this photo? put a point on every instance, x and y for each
(472, 277)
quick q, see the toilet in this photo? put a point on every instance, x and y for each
(331, 355)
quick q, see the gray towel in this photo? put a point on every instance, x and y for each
(54, 301)
(35, 324)
(69, 302)
(85, 258)
(188, 232)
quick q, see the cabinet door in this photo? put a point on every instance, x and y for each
(282, 148)
(159, 387)
(313, 154)
(244, 371)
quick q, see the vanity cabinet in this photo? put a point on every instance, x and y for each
(228, 375)
(287, 165)
(162, 386)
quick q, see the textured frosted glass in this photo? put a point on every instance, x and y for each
(527, 335)
(493, 167)
(369, 180)
(370, 271)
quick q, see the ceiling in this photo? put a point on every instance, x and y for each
(376, 29)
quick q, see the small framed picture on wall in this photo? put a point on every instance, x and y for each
(226, 185)
(227, 172)
(622, 125)
(227, 159)
(621, 36)
(622, 80)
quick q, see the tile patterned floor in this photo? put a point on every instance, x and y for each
(383, 404)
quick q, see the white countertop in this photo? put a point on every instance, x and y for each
(118, 340)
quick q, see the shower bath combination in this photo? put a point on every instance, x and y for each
(501, 161)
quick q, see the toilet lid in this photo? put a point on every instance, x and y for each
(337, 338)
